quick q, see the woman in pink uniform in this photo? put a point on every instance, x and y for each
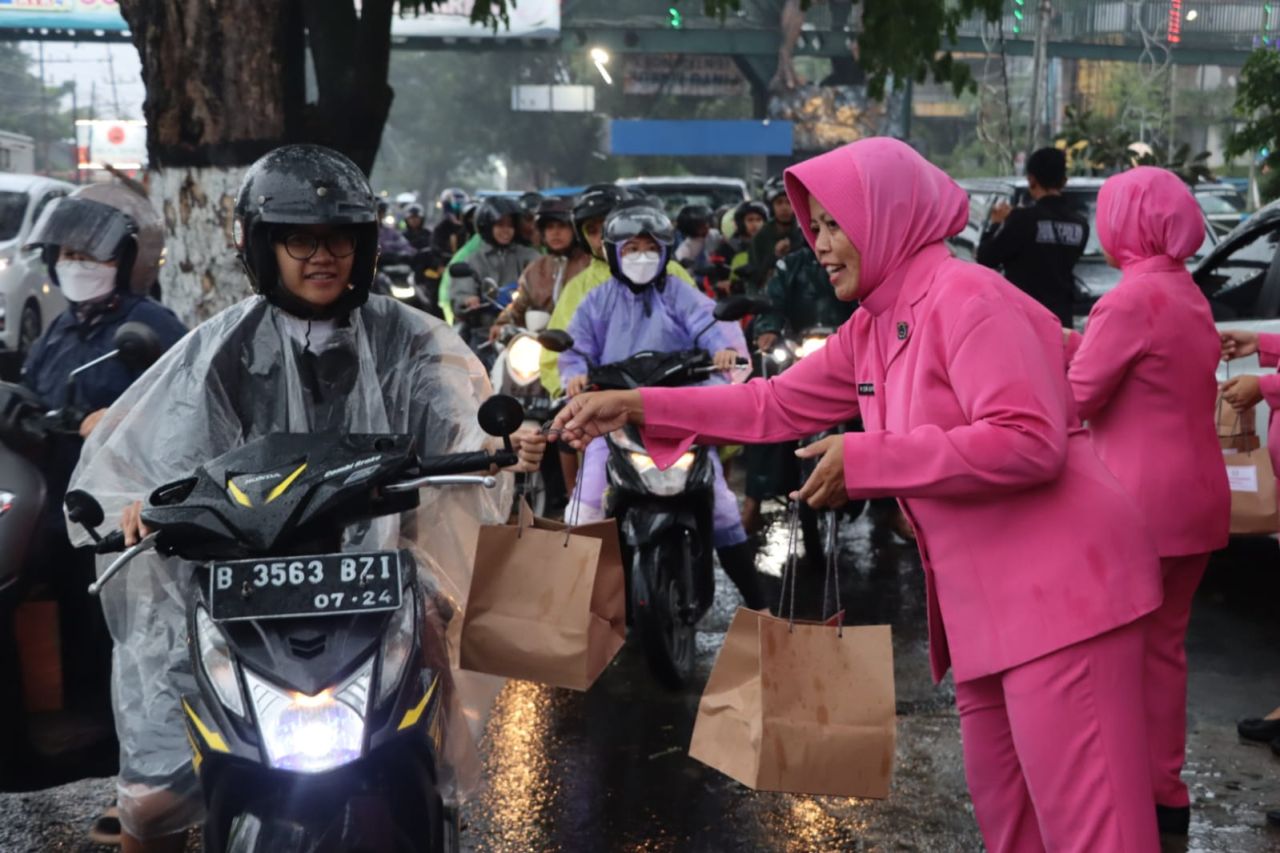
(1036, 563)
(1143, 376)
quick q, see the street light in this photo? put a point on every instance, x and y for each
(1192, 15)
(600, 57)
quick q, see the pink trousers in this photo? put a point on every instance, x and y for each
(1166, 677)
(1056, 752)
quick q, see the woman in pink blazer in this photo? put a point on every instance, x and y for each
(1037, 566)
(1143, 377)
(1248, 390)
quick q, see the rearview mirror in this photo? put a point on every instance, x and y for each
(83, 508)
(461, 270)
(138, 344)
(556, 340)
(501, 415)
(737, 307)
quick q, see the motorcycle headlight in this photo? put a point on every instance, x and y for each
(780, 355)
(523, 359)
(6, 501)
(403, 291)
(219, 668)
(312, 734)
(397, 645)
(811, 344)
(664, 483)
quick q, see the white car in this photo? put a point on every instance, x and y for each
(29, 302)
(1241, 277)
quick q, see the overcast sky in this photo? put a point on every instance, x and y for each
(91, 65)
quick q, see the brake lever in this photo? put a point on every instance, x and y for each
(148, 543)
(487, 481)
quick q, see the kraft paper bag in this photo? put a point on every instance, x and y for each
(800, 707)
(1237, 431)
(1253, 492)
(547, 603)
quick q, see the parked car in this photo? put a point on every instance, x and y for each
(1241, 278)
(28, 301)
(1093, 276)
(1223, 205)
(677, 192)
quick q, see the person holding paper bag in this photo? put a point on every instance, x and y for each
(1145, 370)
(1037, 565)
(1248, 390)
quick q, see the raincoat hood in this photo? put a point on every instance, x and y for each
(886, 197)
(1148, 213)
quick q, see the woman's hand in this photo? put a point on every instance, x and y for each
(726, 360)
(90, 421)
(530, 445)
(1238, 344)
(495, 331)
(598, 413)
(1242, 392)
(131, 525)
(825, 488)
(576, 385)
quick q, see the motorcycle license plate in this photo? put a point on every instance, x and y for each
(294, 587)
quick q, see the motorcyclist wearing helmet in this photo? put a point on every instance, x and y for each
(415, 230)
(312, 351)
(643, 307)
(739, 227)
(500, 260)
(693, 223)
(589, 212)
(544, 279)
(449, 234)
(391, 243)
(530, 235)
(779, 236)
(103, 246)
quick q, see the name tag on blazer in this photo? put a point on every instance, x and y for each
(866, 389)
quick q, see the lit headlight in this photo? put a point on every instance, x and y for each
(780, 355)
(524, 356)
(811, 344)
(396, 648)
(4, 264)
(6, 501)
(389, 221)
(403, 291)
(219, 668)
(664, 483)
(642, 462)
(312, 734)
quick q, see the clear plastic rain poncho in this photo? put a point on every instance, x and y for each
(236, 378)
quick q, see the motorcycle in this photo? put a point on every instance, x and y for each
(396, 277)
(516, 374)
(27, 425)
(318, 719)
(472, 324)
(664, 517)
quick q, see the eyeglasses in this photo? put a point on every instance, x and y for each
(302, 245)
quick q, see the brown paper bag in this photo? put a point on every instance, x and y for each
(800, 707)
(1237, 431)
(547, 604)
(1253, 492)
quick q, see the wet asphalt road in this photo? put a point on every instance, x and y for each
(608, 771)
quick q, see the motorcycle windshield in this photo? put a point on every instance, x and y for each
(82, 225)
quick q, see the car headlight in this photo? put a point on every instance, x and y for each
(312, 734)
(403, 291)
(524, 356)
(397, 645)
(219, 668)
(811, 344)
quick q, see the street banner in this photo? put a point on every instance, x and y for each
(683, 75)
(535, 19)
(62, 15)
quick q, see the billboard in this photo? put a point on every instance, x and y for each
(691, 76)
(449, 19)
(104, 142)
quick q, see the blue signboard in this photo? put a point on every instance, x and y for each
(62, 15)
(699, 138)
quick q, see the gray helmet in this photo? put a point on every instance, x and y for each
(305, 185)
(107, 222)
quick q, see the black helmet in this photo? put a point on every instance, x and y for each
(529, 202)
(305, 185)
(692, 218)
(741, 211)
(634, 219)
(774, 188)
(492, 211)
(596, 202)
(452, 200)
(555, 210)
(415, 209)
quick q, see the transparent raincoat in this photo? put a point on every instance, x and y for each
(238, 377)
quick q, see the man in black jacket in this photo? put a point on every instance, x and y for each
(1036, 247)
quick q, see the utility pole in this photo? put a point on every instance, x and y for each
(1039, 75)
(42, 149)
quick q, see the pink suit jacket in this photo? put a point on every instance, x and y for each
(1029, 544)
(1143, 378)
(1269, 356)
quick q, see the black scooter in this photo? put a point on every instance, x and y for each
(319, 718)
(27, 425)
(665, 517)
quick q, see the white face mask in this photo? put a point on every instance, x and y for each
(84, 281)
(641, 267)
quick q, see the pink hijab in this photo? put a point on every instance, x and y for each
(885, 196)
(1148, 213)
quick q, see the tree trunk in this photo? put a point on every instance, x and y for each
(225, 84)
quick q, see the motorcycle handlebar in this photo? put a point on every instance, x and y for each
(464, 463)
(711, 368)
(112, 543)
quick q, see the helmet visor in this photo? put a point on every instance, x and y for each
(82, 225)
(634, 222)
